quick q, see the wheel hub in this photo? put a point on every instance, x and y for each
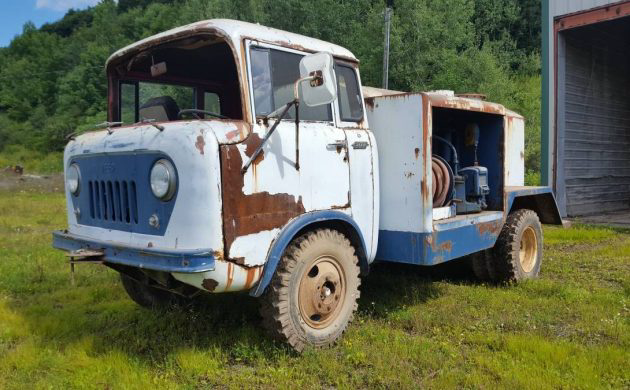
(528, 252)
(321, 292)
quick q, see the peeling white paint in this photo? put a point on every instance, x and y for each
(252, 247)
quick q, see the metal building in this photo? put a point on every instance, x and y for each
(586, 105)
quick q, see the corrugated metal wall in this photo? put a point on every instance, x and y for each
(596, 118)
(563, 7)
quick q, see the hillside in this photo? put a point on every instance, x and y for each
(52, 80)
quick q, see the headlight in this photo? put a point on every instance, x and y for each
(73, 176)
(163, 179)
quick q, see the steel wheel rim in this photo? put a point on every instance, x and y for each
(528, 251)
(321, 293)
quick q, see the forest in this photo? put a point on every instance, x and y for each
(52, 80)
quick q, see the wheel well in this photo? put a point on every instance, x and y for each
(543, 204)
(347, 230)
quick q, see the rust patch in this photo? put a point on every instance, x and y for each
(369, 103)
(249, 214)
(218, 255)
(209, 284)
(241, 131)
(416, 152)
(409, 174)
(232, 134)
(253, 274)
(446, 246)
(239, 260)
(490, 228)
(150, 245)
(251, 144)
(230, 276)
(424, 189)
(200, 144)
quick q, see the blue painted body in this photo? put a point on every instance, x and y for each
(121, 169)
(146, 258)
(289, 233)
(456, 237)
(449, 240)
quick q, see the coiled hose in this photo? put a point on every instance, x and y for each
(441, 181)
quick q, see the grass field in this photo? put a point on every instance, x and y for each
(416, 327)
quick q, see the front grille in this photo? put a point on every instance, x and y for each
(115, 193)
(113, 200)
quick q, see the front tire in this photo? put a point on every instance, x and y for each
(147, 296)
(313, 295)
(517, 254)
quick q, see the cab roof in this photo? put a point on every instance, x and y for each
(234, 31)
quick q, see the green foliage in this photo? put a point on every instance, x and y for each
(52, 81)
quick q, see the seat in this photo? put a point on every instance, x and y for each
(159, 109)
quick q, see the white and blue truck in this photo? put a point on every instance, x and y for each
(238, 157)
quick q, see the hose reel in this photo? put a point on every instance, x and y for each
(442, 181)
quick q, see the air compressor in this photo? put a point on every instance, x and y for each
(464, 188)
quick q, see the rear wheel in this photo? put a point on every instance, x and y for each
(147, 296)
(312, 297)
(517, 254)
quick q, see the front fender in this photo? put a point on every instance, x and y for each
(300, 224)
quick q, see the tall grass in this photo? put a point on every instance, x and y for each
(32, 161)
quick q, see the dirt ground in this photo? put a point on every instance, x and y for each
(31, 183)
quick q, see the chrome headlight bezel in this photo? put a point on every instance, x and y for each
(73, 179)
(163, 179)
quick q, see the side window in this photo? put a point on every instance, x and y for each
(211, 102)
(261, 80)
(128, 103)
(349, 96)
(274, 74)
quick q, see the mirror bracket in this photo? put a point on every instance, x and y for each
(284, 112)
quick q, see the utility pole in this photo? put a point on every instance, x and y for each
(388, 17)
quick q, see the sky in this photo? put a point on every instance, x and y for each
(14, 13)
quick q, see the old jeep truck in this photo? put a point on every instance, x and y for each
(242, 158)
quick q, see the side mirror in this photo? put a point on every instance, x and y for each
(317, 79)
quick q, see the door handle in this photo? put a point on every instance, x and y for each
(337, 144)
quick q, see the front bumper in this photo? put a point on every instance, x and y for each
(180, 261)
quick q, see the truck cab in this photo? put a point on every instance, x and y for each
(237, 157)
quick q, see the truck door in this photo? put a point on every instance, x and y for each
(322, 178)
(273, 190)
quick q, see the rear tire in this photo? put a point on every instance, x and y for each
(517, 254)
(313, 294)
(479, 264)
(147, 296)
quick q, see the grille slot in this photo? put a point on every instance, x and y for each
(113, 200)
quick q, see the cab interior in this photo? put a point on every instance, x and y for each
(198, 73)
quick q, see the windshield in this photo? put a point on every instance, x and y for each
(193, 78)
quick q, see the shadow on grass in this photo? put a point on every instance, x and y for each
(391, 286)
(228, 324)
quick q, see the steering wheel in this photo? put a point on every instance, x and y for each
(194, 112)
